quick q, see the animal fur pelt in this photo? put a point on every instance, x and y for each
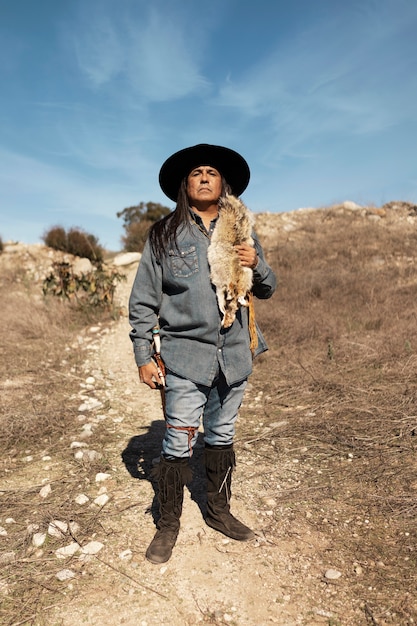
(232, 281)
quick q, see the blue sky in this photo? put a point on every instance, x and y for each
(319, 96)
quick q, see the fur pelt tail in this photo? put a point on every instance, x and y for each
(232, 281)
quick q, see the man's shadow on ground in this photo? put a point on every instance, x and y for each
(143, 450)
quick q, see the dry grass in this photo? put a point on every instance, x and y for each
(343, 394)
(38, 409)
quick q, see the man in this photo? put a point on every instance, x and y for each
(207, 366)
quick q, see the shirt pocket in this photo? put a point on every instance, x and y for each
(184, 262)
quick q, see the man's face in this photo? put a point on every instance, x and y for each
(204, 185)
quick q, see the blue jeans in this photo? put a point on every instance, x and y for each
(187, 402)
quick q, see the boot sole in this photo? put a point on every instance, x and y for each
(222, 529)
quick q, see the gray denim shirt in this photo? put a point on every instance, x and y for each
(177, 294)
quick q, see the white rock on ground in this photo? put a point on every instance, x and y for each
(82, 499)
(69, 550)
(102, 500)
(93, 547)
(38, 539)
(45, 491)
(65, 574)
(57, 528)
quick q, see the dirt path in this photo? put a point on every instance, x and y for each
(276, 578)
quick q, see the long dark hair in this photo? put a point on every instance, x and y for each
(164, 232)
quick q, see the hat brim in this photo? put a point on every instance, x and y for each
(229, 163)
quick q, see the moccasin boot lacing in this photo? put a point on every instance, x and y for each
(219, 463)
(171, 477)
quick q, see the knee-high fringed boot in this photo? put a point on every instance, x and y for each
(219, 462)
(171, 477)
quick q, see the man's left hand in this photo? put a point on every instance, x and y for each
(247, 255)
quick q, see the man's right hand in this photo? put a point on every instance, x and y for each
(148, 374)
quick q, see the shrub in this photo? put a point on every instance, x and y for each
(84, 245)
(93, 289)
(76, 242)
(1, 245)
(56, 238)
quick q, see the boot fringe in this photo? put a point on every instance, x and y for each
(180, 471)
(219, 461)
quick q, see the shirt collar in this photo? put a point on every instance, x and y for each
(197, 219)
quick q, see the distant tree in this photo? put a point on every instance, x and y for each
(135, 236)
(137, 220)
(1, 245)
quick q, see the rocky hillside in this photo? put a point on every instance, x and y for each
(36, 260)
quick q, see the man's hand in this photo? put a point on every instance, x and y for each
(247, 255)
(149, 375)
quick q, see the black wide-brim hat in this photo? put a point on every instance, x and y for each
(229, 163)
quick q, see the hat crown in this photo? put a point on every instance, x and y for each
(229, 163)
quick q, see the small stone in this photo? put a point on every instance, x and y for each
(86, 433)
(78, 444)
(126, 555)
(89, 405)
(10, 520)
(332, 574)
(45, 491)
(102, 500)
(3, 532)
(68, 550)
(101, 476)
(90, 380)
(81, 499)
(32, 528)
(74, 527)
(57, 528)
(38, 539)
(65, 574)
(91, 455)
(93, 547)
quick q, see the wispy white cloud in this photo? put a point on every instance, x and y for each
(330, 79)
(149, 51)
(99, 50)
(162, 63)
